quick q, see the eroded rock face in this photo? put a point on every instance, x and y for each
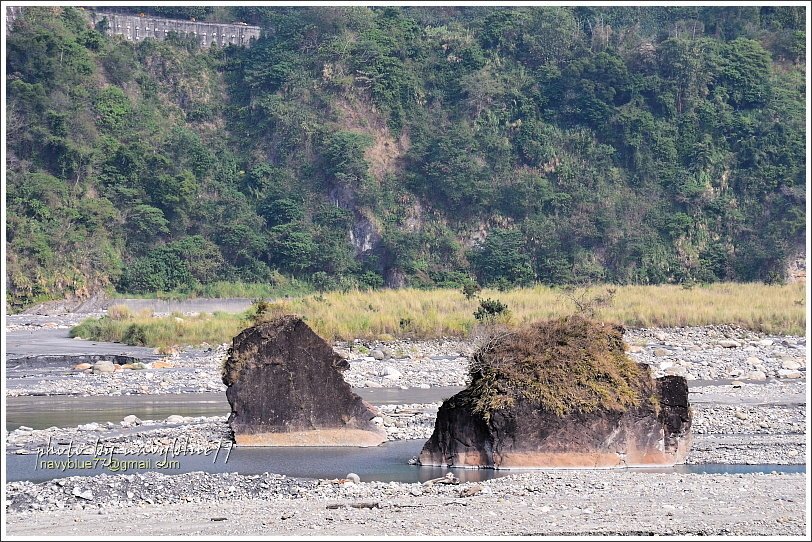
(526, 436)
(285, 388)
(522, 433)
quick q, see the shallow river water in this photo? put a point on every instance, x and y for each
(39, 412)
(387, 463)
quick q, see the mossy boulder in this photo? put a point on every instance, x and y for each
(561, 393)
(285, 388)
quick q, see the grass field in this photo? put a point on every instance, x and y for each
(388, 314)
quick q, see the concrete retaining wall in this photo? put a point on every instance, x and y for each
(138, 28)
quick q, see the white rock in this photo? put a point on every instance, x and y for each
(130, 421)
(174, 418)
(786, 373)
(86, 495)
(354, 478)
(791, 365)
(89, 427)
(752, 360)
(377, 354)
(729, 343)
(390, 373)
(757, 375)
(765, 342)
(103, 366)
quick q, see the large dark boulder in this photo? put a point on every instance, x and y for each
(561, 394)
(285, 388)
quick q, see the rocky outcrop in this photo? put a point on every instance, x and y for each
(531, 430)
(285, 388)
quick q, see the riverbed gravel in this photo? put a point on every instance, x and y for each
(708, 353)
(559, 502)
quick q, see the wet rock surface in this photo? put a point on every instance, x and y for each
(285, 387)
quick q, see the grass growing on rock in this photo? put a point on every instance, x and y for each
(562, 365)
(425, 314)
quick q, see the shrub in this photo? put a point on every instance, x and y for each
(135, 334)
(470, 290)
(491, 309)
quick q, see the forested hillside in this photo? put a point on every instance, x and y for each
(406, 146)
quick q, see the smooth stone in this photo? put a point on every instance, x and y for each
(757, 375)
(729, 343)
(786, 373)
(131, 420)
(791, 365)
(354, 478)
(752, 360)
(89, 427)
(660, 352)
(634, 349)
(377, 354)
(104, 366)
(174, 418)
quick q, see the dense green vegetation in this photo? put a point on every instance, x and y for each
(407, 146)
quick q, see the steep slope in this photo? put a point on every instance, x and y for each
(412, 146)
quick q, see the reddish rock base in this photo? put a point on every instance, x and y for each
(315, 437)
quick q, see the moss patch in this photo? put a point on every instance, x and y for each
(563, 365)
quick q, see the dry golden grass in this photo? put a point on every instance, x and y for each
(386, 314)
(562, 365)
(438, 313)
